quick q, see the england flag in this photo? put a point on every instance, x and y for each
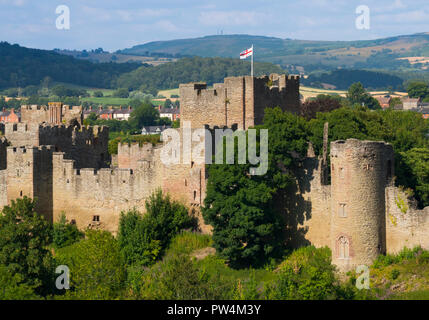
(246, 53)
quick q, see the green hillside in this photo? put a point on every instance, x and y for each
(380, 53)
(170, 75)
(20, 67)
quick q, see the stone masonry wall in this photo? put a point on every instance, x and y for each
(54, 113)
(129, 154)
(87, 145)
(406, 226)
(310, 206)
(29, 173)
(83, 194)
(360, 172)
(239, 100)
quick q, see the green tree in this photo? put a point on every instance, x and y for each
(24, 237)
(247, 223)
(357, 95)
(178, 278)
(96, 267)
(418, 89)
(414, 171)
(121, 93)
(307, 274)
(142, 238)
(143, 115)
(65, 234)
(13, 286)
(98, 94)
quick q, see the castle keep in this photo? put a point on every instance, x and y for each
(239, 100)
(358, 212)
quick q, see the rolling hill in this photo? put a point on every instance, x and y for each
(20, 67)
(311, 55)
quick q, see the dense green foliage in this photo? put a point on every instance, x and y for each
(245, 210)
(343, 79)
(418, 89)
(357, 95)
(178, 278)
(96, 267)
(24, 237)
(143, 238)
(13, 286)
(307, 274)
(65, 234)
(170, 75)
(405, 130)
(21, 67)
(248, 229)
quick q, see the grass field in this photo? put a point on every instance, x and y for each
(168, 93)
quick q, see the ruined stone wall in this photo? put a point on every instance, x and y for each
(406, 226)
(29, 173)
(3, 188)
(309, 206)
(283, 93)
(71, 113)
(34, 114)
(54, 113)
(87, 145)
(129, 154)
(3, 152)
(360, 171)
(22, 134)
(201, 106)
(83, 194)
(184, 181)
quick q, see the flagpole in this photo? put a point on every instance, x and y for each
(251, 72)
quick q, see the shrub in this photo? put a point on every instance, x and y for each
(178, 278)
(65, 234)
(394, 274)
(24, 238)
(143, 238)
(306, 274)
(96, 268)
(417, 253)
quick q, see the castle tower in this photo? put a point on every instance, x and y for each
(360, 171)
(238, 100)
(29, 173)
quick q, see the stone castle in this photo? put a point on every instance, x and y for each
(359, 214)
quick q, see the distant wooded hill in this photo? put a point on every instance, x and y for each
(323, 55)
(170, 75)
(20, 67)
(343, 79)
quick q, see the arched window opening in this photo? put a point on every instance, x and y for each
(343, 248)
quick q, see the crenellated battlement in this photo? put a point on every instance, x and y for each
(240, 100)
(129, 155)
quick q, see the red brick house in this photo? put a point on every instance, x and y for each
(9, 116)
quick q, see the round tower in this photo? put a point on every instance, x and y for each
(360, 171)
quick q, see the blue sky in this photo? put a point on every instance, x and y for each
(118, 24)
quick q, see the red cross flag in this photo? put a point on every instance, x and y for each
(246, 53)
